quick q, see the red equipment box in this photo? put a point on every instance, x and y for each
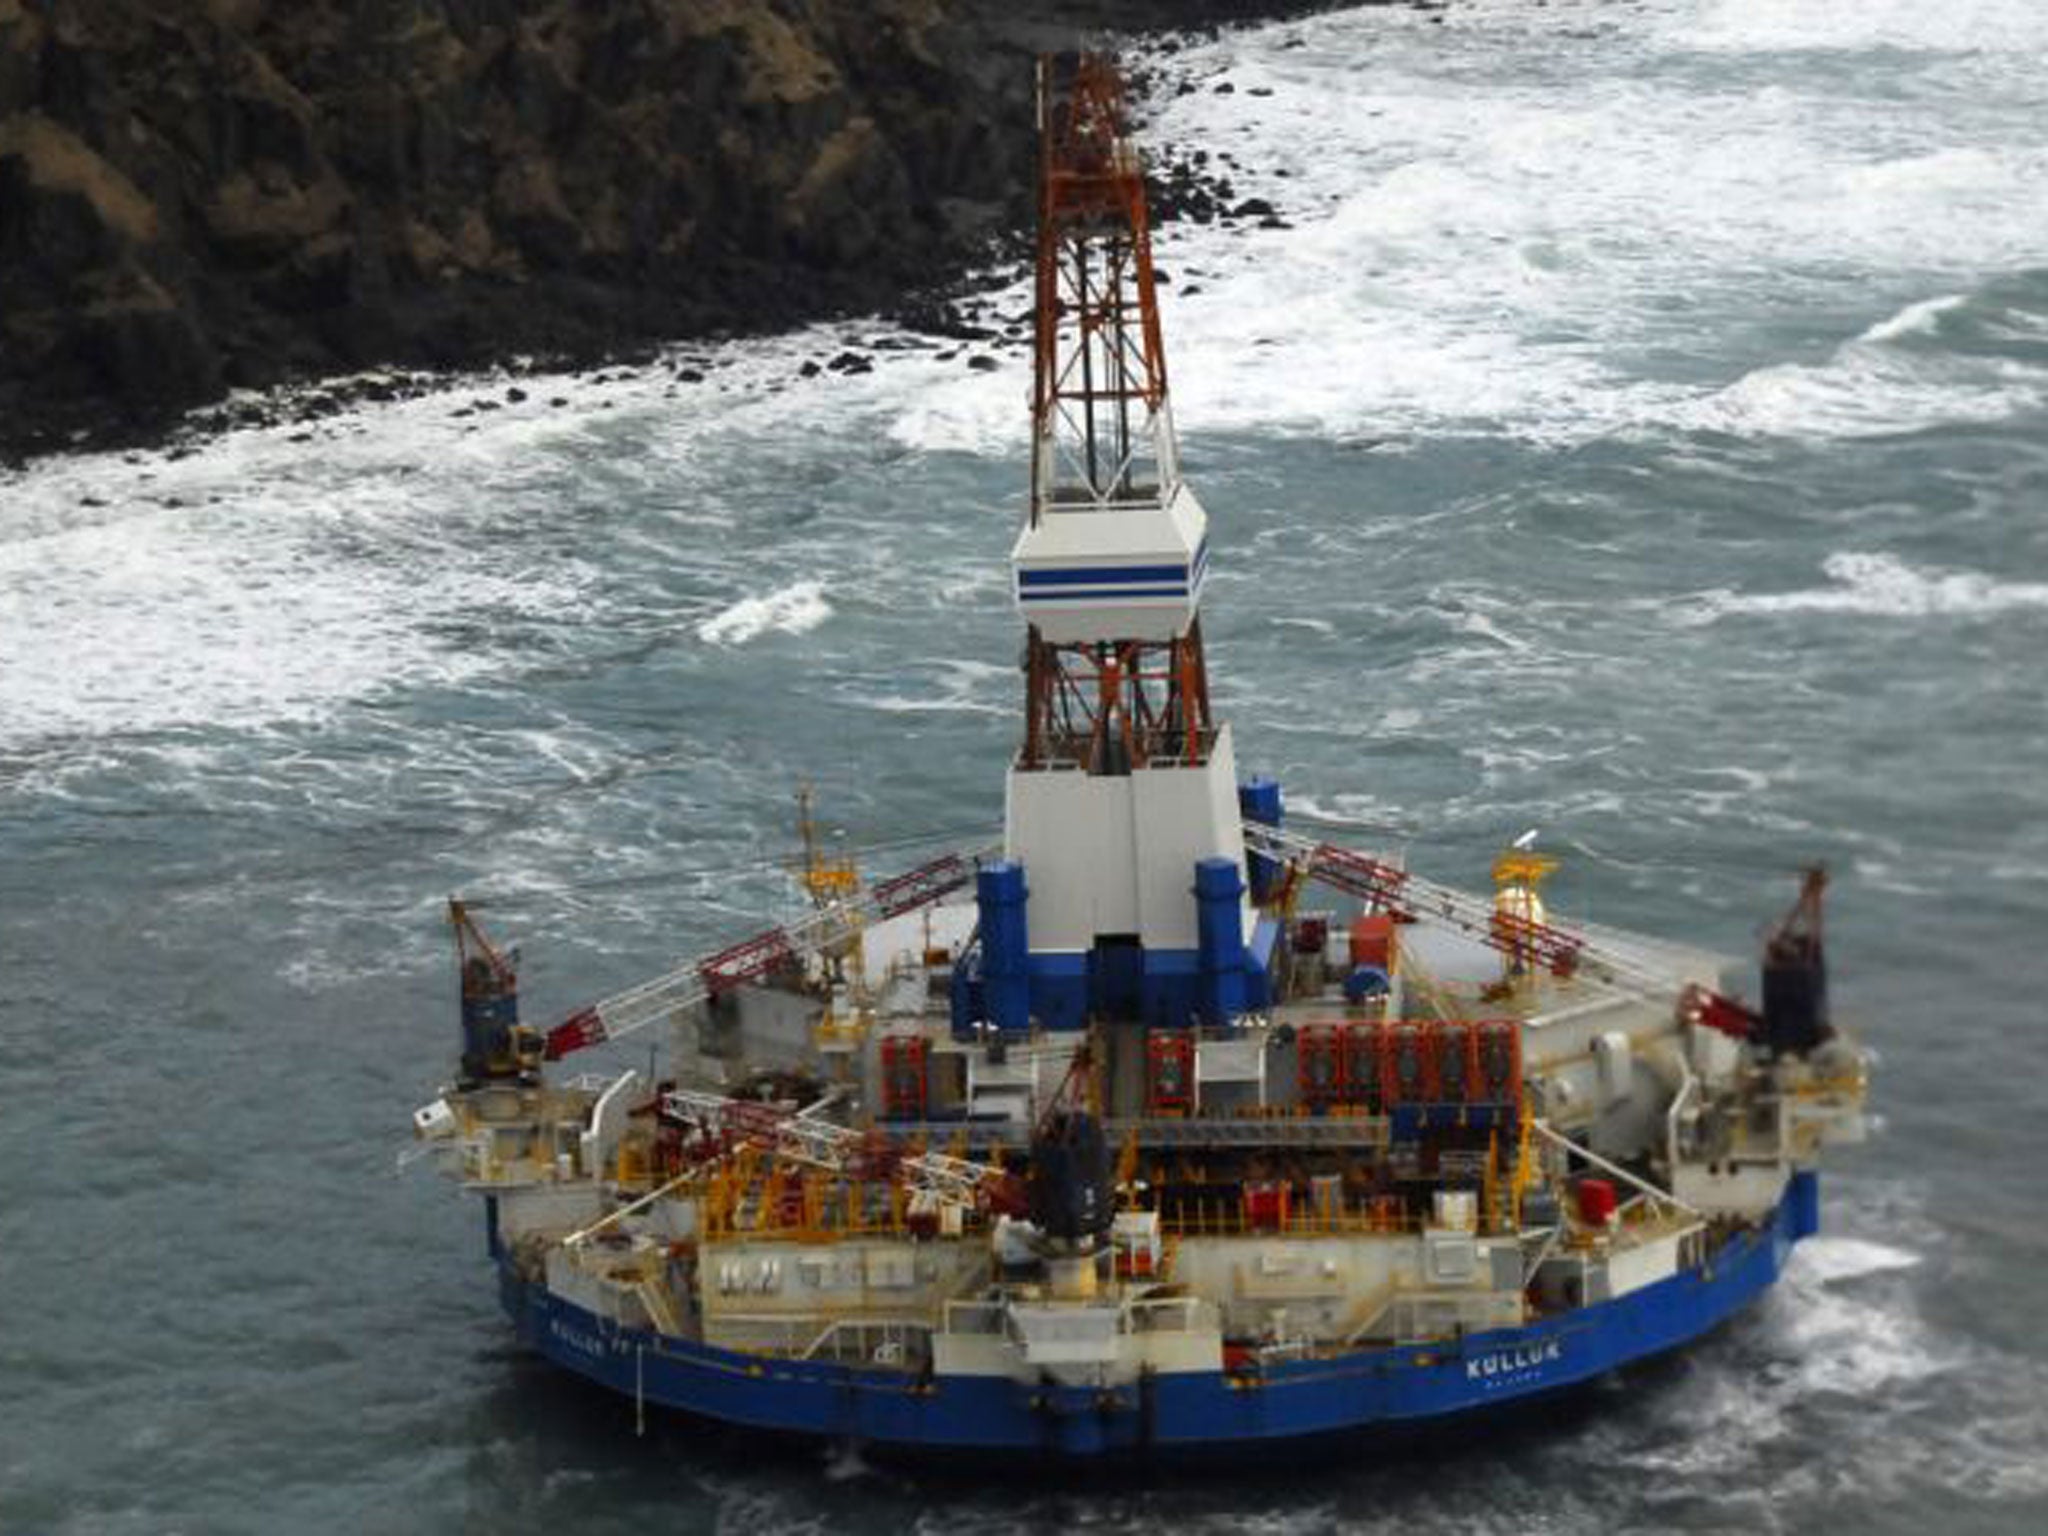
(903, 1077)
(1319, 1064)
(1170, 1071)
(1408, 1065)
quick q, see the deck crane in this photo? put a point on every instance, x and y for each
(830, 927)
(1408, 896)
(826, 930)
(495, 1045)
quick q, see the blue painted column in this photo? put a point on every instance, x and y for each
(1258, 799)
(1220, 927)
(1005, 944)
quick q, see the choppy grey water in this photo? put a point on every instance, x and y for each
(1641, 434)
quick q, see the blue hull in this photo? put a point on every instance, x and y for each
(1168, 1417)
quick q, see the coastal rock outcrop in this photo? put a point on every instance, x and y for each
(198, 195)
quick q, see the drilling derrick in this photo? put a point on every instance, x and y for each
(1124, 781)
(1108, 567)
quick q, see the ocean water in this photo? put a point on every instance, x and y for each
(1640, 434)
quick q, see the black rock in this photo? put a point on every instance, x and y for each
(217, 195)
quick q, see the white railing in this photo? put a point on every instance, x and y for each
(822, 1144)
(1474, 915)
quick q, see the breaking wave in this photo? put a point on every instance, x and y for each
(1916, 319)
(183, 605)
(1878, 586)
(792, 610)
(1893, 377)
(1831, 1259)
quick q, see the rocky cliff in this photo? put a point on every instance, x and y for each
(202, 194)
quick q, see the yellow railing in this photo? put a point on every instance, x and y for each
(1226, 1217)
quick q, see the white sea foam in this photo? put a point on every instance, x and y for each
(1765, 26)
(844, 1463)
(791, 610)
(1830, 1259)
(1484, 236)
(1877, 585)
(1855, 1346)
(1916, 319)
(1841, 1323)
(1357, 811)
(960, 687)
(1872, 386)
(146, 615)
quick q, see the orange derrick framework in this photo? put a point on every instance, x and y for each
(1118, 705)
(1099, 352)
(1102, 433)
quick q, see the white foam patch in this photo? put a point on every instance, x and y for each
(1872, 386)
(792, 610)
(1877, 585)
(283, 595)
(959, 687)
(844, 1463)
(1832, 1259)
(1350, 810)
(1914, 320)
(1854, 1346)
(1754, 26)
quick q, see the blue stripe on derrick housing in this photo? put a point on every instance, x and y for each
(1092, 583)
(1096, 574)
(1097, 594)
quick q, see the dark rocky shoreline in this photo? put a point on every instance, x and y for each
(199, 196)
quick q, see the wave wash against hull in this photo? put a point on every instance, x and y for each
(1113, 1140)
